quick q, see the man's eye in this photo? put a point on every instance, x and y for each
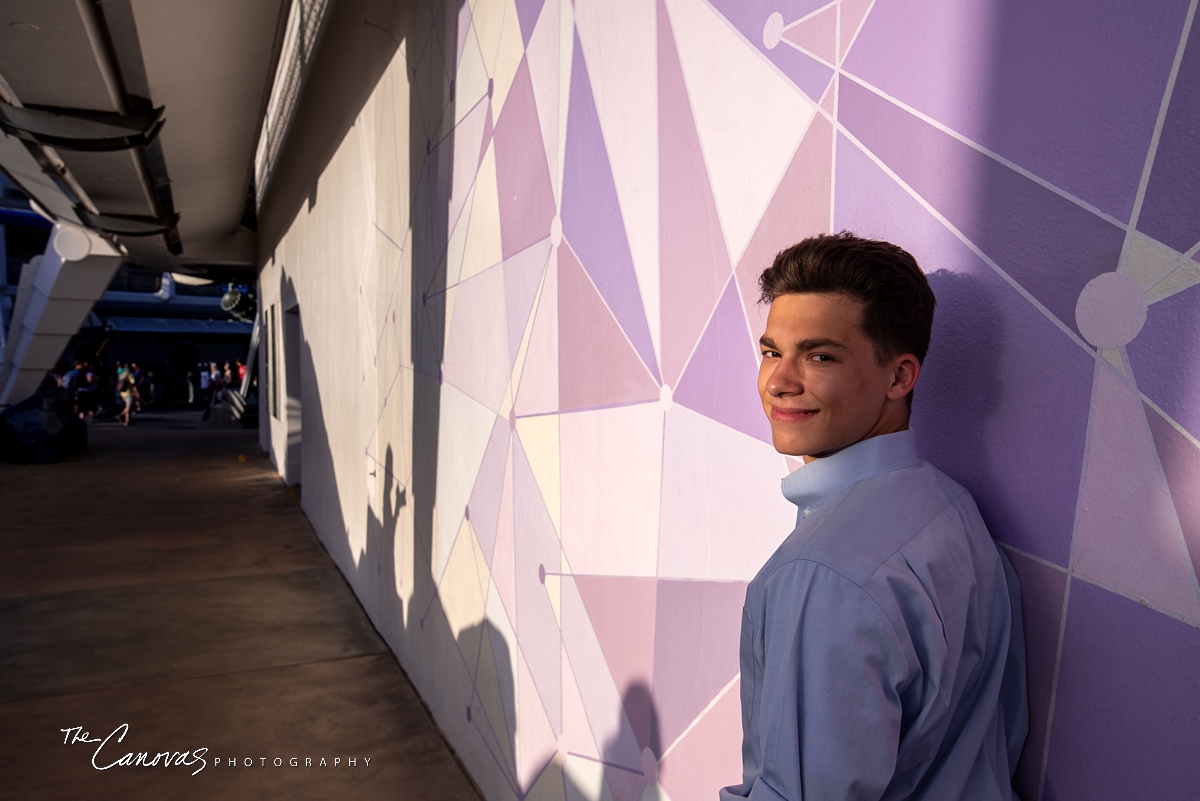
(821, 357)
(770, 354)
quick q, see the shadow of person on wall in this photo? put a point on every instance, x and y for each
(960, 394)
(640, 782)
(959, 388)
(381, 534)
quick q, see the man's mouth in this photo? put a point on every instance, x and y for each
(791, 415)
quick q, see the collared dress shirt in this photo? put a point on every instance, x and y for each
(882, 654)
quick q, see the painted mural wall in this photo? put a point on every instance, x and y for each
(522, 355)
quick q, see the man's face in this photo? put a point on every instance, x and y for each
(821, 386)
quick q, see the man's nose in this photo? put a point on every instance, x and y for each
(785, 379)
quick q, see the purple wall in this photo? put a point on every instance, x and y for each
(1040, 160)
(597, 185)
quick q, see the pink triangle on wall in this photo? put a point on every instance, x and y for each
(829, 101)
(708, 756)
(522, 174)
(1180, 461)
(817, 34)
(800, 208)
(693, 257)
(619, 610)
(596, 364)
(853, 14)
(1127, 536)
(611, 732)
(694, 617)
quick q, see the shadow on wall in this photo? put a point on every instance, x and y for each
(1010, 405)
(452, 665)
(1063, 104)
(477, 708)
(491, 708)
(960, 388)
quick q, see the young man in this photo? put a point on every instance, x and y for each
(882, 653)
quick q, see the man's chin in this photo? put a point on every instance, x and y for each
(789, 447)
(808, 451)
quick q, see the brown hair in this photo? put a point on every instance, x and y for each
(897, 301)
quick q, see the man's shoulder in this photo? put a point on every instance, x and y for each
(856, 532)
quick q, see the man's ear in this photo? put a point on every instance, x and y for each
(905, 371)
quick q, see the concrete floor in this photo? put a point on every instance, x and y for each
(168, 580)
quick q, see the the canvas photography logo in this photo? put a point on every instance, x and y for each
(113, 757)
(111, 751)
(209, 738)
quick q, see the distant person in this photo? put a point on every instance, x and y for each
(215, 382)
(86, 394)
(70, 377)
(205, 385)
(127, 390)
(139, 384)
(70, 384)
(241, 372)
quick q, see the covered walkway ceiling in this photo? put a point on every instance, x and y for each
(209, 65)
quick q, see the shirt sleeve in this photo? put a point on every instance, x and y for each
(833, 673)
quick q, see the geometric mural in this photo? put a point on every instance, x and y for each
(598, 187)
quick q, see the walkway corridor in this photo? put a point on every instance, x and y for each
(168, 580)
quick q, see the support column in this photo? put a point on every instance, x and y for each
(55, 295)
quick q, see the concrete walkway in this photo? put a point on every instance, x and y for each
(167, 580)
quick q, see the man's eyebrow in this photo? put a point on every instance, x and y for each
(815, 343)
(820, 343)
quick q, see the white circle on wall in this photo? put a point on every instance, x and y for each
(773, 31)
(1111, 310)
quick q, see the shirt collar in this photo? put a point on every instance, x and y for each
(814, 483)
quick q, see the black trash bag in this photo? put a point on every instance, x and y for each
(40, 430)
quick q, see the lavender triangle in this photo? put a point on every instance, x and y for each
(527, 14)
(720, 380)
(591, 215)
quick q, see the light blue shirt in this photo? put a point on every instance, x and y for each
(882, 653)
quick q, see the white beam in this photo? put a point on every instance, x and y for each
(55, 294)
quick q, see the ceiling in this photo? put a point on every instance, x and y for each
(209, 64)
